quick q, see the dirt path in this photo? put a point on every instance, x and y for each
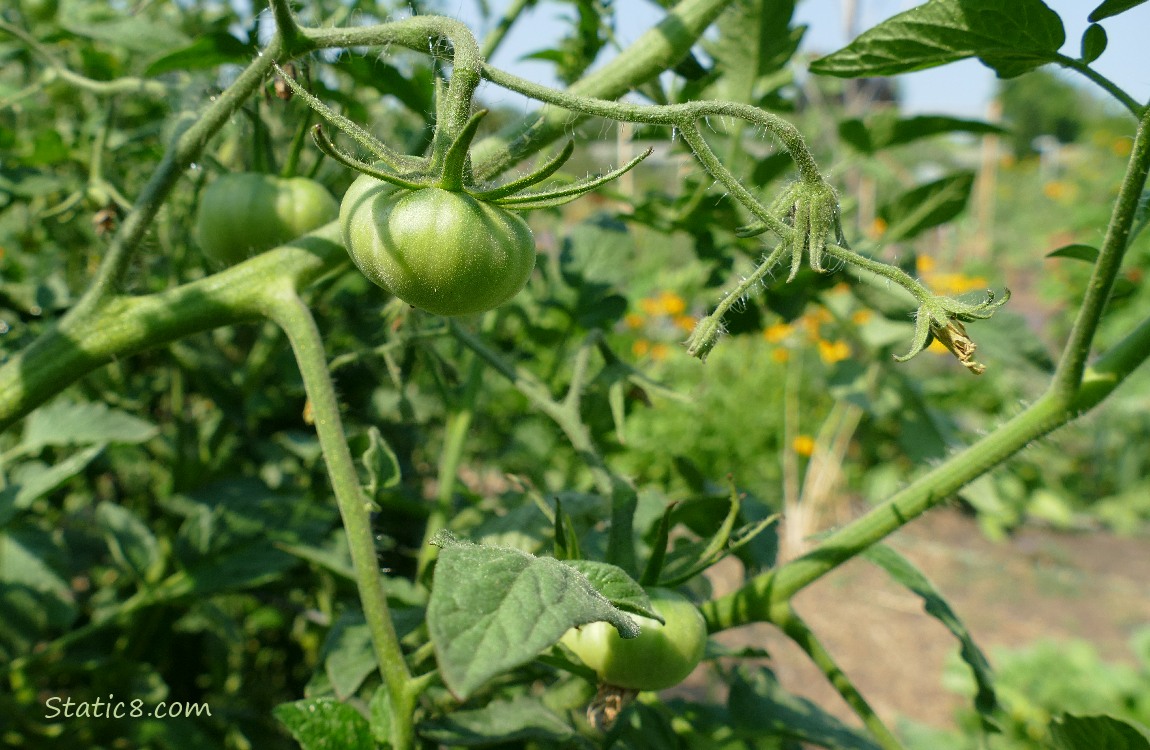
(1038, 584)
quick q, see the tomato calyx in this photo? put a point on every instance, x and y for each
(448, 167)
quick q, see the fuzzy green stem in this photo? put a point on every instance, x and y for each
(1068, 376)
(284, 306)
(682, 116)
(186, 148)
(1107, 85)
(658, 49)
(801, 634)
(755, 600)
(120, 326)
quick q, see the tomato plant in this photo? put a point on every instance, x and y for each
(190, 508)
(441, 251)
(245, 213)
(661, 656)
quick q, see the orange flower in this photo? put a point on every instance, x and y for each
(634, 320)
(861, 317)
(878, 227)
(659, 352)
(641, 347)
(780, 355)
(686, 323)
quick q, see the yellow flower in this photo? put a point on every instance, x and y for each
(672, 303)
(861, 317)
(804, 445)
(833, 351)
(641, 347)
(651, 306)
(937, 347)
(634, 320)
(878, 227)
(777, 332)
(780, 355)
(924, 264)
(659, 352)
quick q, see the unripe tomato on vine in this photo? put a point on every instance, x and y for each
(246, 213)
(421, 228)
(661, 656)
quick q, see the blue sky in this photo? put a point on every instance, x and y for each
(962, 89)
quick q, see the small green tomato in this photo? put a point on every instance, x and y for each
(661, 656)
(441, 251)
(246, 213)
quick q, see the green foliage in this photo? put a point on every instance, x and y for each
(244, 490)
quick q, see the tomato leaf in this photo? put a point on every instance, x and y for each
(207, 51)
(926, 206)
(905, 573)
(1011, 38)
(1093, 43)
(755, 39)
(616, 587)
(1090, 732)
(883, 131)
(1112, 8)
(325, 723)
(516, 720)
(494, 608)
(1078, 252)
(66, 423)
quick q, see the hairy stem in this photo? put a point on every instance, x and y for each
(1068, 376)
(284, 306)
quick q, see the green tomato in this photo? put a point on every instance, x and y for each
(441, 251)
(243, 214)
(661, 656)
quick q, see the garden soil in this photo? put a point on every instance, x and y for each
(1036, 584)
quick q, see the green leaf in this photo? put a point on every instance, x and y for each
(1095, 732)
(926, 206)
(131, 542)
(904, 572)
(885, 130)
(207, 51)
(324, 724)
(757, 702)
(66, 423)
(493, 609)
(348, 657)
(516, 720)
(1078, 252)
(1093, 43)
(755, 39)
(1011, 38)
(34, 597)
(1112, 8)
(616, 587)
(380, 466)
(134, 33)
(31, 481)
